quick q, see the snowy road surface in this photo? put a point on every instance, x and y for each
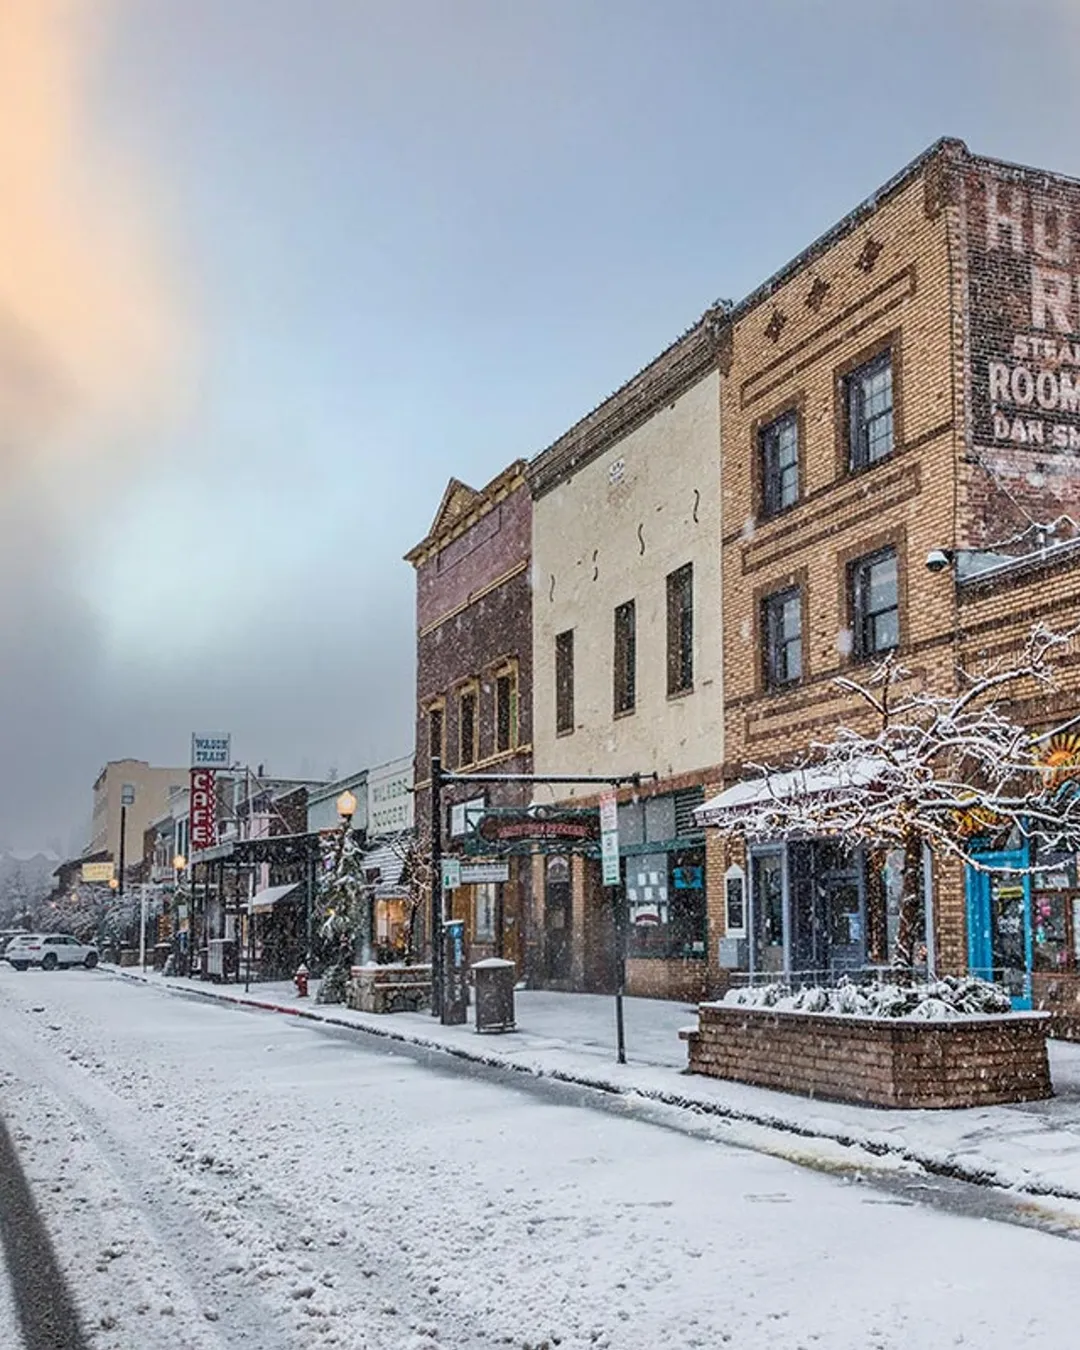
(214, 1178)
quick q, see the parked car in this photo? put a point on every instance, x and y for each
(50, 951)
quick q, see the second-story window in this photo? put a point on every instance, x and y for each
(564, 682)
(625, 691)
(680, 630)
(506, 709)
(875, 604)
(779, 464)
(436, 732)
(869, 394)
(781, 626)
(467, 726)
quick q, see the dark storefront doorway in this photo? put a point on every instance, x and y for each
(808, 909)
(558, 926)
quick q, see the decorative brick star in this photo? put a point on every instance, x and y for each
(775, 326)
(816, 295)
(869, 256)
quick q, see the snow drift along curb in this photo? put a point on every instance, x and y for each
(974, 1170)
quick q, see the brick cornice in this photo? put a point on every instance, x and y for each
(688, 360)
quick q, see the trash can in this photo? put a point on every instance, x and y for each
(161, 954)
(494, 980)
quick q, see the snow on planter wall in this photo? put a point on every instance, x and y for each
(901, 1062)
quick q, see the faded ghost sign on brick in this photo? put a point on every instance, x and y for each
(1024, 274)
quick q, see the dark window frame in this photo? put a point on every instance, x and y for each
(437, 711)
(860, 423)
(624, 663)
(864, 645)
(680, 630)
(776, 642)
(773, 474)
(508, 727)
(469, 692)
(564, 682)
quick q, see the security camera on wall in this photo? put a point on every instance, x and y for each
(938, 559)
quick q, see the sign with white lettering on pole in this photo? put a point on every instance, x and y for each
(473, 874)
(609, 840)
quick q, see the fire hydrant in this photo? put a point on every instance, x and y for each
(300, 979)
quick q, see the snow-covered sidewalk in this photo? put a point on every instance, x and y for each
(1033, 1147)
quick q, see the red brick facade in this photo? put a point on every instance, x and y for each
(474, 667)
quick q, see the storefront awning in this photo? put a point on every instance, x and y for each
(811, 781)
(264, 901)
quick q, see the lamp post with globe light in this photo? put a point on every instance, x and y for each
(346, 809)
(179, 862)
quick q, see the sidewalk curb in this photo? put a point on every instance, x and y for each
(957, 1169)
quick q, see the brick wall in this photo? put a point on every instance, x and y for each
(886, 283)
(974, 1061)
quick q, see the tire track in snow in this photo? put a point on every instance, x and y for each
(45, 1309)
(143, 1268)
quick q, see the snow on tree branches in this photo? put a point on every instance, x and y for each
(944, 770)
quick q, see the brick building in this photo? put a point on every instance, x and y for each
(748, 518)
(474, 686)
(907, 385)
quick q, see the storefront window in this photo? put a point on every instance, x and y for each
(665, 895)
(767, 896)
(1053, 913)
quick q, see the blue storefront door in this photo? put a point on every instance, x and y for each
(999, 923)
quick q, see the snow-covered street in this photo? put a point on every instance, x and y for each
(215, 1177)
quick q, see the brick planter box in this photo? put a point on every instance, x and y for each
(967, 1061)
(388, 989)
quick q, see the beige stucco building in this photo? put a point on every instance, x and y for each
(627, 661)
(153, 787)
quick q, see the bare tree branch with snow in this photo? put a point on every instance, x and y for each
(943, 770)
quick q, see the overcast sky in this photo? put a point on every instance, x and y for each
(272, 270)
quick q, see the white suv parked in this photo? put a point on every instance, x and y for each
(50, 950)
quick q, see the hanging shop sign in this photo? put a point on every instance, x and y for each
(203, 801)
(97, 871)
(505, 830)
(464, 815)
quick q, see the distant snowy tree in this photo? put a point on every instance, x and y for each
(944, 770)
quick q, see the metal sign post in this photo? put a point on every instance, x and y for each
(611, 876)
(142, 926)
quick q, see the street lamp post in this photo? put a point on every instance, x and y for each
(127, 798)
(346, 809)
(179, 862)
(114, 886)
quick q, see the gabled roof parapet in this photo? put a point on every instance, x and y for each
(462, 506)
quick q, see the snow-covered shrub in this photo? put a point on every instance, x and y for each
(951, 996)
